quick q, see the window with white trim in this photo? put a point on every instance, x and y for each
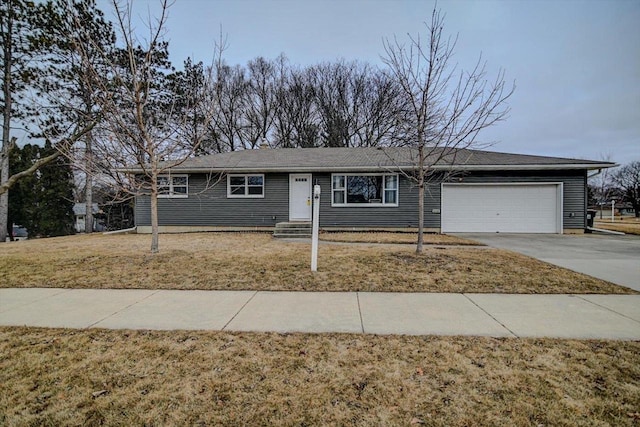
(173, 186)
(364, 189)
(248, 186)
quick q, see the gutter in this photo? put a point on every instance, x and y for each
(374, 168)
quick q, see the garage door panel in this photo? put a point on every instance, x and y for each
(500, 208)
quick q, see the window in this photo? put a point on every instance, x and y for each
(245, 186)
(173, 186)
(364, 190)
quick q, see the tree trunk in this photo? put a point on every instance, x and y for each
(88, 189)
(7, 46)
(4, 197)
(420, 199)
(154, 211)
(88, 201)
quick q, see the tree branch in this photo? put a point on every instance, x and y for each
(45, 160)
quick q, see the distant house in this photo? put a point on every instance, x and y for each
(80, 212)
(620, 208)
(368, 188)
(626, 209)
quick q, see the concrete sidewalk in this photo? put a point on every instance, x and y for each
(498, 315)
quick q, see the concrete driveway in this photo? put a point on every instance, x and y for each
(612, 258)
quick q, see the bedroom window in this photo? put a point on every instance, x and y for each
(173, 186)
(248, 186)
(364, 190)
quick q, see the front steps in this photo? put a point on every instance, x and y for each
(292, 230)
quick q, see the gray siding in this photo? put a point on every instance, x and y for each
(574, 184)
(211, 207)
(405, 215)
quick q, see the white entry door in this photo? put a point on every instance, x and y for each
(300, 197)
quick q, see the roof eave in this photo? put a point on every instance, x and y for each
(279, 169)
(390, 168)
(559, 166)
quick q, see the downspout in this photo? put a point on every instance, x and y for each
(586, 196)
(595, 174)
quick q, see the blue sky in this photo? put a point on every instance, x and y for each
(576, 64)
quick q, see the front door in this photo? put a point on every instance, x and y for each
(300, 197)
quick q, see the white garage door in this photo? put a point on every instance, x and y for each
(501, 208)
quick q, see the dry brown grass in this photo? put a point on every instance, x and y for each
(258, 262)
(398, 238)
(627, 225)
(100, 377)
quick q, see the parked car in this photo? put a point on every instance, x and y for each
(20, 233)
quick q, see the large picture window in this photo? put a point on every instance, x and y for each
(173, 186)
(364, 190)
(250, 186)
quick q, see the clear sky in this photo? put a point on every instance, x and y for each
(576, 64)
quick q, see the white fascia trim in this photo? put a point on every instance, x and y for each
(382, 168)
(293, 169)
(558, 166)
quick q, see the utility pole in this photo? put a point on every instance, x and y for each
(613, 209)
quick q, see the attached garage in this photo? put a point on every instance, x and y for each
(502, 208)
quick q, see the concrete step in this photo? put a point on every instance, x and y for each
(292, 229)
(290, 236)
(293, 225)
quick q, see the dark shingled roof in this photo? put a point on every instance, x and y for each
(371, 159)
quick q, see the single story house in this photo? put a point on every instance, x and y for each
(370, 188)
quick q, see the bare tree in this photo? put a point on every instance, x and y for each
(379, 113)
(296, 120)
(444, 109)
(600, 184)
(628, 179)
(336, 97)
(228, 96)
(262, 102)
(143, 128)
(283, 127)
(342, 104)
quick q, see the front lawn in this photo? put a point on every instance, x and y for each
(256, 261)
(628, 225)
(101, 377)
(398, 238)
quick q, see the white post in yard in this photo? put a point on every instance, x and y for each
(613, 208)
(315, 225)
